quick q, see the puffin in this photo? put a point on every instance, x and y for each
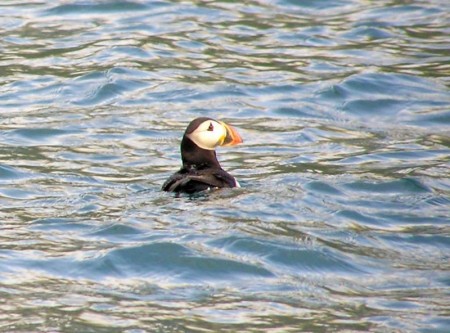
(201, 170)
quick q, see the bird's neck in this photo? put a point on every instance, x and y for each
(195, 157)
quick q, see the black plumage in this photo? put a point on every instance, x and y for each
(201, 170)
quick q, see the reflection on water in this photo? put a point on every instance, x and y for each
(342, 220)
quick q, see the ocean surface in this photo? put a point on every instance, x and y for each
(342, 223)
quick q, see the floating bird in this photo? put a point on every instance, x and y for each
(201, 170)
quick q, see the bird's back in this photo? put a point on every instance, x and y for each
(194, 180)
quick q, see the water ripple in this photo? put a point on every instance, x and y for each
(341, 223)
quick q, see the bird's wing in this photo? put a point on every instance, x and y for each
(198, 181)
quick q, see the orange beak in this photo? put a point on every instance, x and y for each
(232, 137)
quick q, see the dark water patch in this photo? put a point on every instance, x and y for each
(322, 188)
(91, 76)
(405, 185)
(361, 218)
(405, 14)
(440, 201)
(226, 92)
(315, 5)
(117, 233)
(20, 194)
(61, 224)
(434, 116)
(415, 219)
(375, 108)
(171, 95)
(396, 97)
(379, 84)
(29, 92)
(37, 136)
(287, 259)
(396, 159)
(169, 261)
(99, 8)
(88, 156)
(411, 240)
(134, 52)
(9, 173)
(368, 31)
(102, 94)
(438, 325)
(289, 112)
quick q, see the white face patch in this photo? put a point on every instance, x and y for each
(208, 135)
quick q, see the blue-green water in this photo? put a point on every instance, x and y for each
(342, 222)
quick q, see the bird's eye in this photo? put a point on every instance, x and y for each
(211, 127)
